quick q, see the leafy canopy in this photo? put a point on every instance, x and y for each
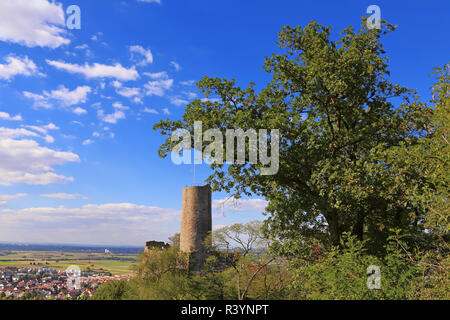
(332, 102)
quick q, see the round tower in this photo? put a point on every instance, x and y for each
(196, 224)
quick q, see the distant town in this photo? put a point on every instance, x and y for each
(49, 284)
(39, 271)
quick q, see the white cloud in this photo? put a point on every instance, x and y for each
(119, 106)
(175, 65)
(97, 70)
(138, 100)
(44, 129)
(63, 196)
(150, 1)
(158, 87)
(17, 66)
(87, 142)
(7, 116)
(112, 117)
(96, 36)
(5, 197)
(188, 83)
(178, 102)
(49, 139)
(24, 161)
(232, 204)
(39, 100)
(21, 132)
(166, 111)
(16, 133)
(91, 223)
(145, 53)
(82, 47)
(67, 97)
(125, 91)
(129, 92)
(32, 23)
(157, 75)
(190, 95)
(148, 110)
(79, 111)
(62, 95)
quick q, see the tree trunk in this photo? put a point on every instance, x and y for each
(333, 225)
(358, 229)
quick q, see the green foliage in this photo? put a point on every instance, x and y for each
(430, 157)
(117, 290)
(341, 274)
(361, 181)
(331, 101)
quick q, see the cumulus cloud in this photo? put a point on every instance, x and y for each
(158, 87)
(188, 82)
(149, 110)
(119, 106)
(178, 102)
(17, 66)
(67, 97)
(91, 223)
(5, 197)
(97, 70)
(79, 111)
(145, 54)
(112, 117)
(175, 65)
(7, 116)
(44, 129)
(39, 100)
(37, 23)
(25, 161)
(21, 132)
(125, 91)
(16, 133)
(157, 75)
(63, 196)
(62, 95)
(87, 142)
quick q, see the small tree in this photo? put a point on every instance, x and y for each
(246, 251)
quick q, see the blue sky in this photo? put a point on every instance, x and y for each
(78, 156)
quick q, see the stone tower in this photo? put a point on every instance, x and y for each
(196, 224)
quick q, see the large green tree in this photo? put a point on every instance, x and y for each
(332, 102)
(431, 158)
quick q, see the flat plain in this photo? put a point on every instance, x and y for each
(93, 261)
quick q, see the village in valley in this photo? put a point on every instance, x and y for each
(48, 283)
(43, 272)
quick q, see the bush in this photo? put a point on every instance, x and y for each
(342, 274)
(117, 290)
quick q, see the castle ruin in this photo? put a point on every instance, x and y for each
(196, 224)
